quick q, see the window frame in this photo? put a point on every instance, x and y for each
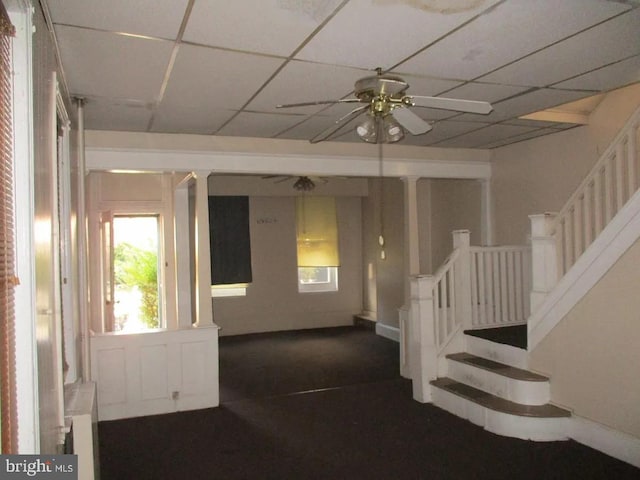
(331, 285)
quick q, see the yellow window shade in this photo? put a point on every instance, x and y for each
(317, 231)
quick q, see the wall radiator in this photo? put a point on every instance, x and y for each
(81, 415)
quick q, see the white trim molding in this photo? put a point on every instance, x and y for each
(614, 443)
(387, 331)
(26, 356)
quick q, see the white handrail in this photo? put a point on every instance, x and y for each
(605, 190)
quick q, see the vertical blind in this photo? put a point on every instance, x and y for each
(317, 231)
(8, 281)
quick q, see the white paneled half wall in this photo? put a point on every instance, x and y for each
(156, 372)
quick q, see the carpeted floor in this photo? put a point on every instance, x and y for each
(354, 420)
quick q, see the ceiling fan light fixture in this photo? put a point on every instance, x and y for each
(304, 184)
(392, 129)
(367, 130)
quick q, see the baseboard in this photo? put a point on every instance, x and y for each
(607, 440)
(387, 331)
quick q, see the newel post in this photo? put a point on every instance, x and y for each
(544, 258)
(462, 277)
(423, 352)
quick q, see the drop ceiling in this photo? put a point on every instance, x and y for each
(215, 67)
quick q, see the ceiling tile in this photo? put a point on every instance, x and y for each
(94, 63)
(217, 79)
(519, 138)
(108, 114)
(260, 124)
(189, 119)
(529, 102)
(608, 42)
(306, 82)
(607, 78)
(366, 33)
(497, 38)
(275, 27)
(492, 133)
(423, 85)
(161, 19)
(448, 129)
(487, 92)
(308, 129)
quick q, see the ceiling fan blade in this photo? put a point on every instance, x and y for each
(409, 120)
(288, 177)
(318, 102)
(459, 105)
(338, 124)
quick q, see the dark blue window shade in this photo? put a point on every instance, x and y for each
(229, 239)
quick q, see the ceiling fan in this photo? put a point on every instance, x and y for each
(302, 183)
(386, 107)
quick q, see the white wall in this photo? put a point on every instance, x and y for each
(272, 300)
(592, 355)
(455, 205)
(390, 277)
(539, 175)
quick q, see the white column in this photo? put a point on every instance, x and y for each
(486, 213)
(423, 353)
(411, 237)
(544, 259)
(83, 252)
(411, 268)
(462, 277)
(182, 257)
(204, 307)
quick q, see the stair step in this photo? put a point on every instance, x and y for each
(498, 404)
(498, 352)
(513, 335)
(497, 367)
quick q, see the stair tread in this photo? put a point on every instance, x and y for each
(515, 335)
(499, 404)
(497, 367)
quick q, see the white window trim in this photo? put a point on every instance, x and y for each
(229, 290)
(321, 287)
(26, 359)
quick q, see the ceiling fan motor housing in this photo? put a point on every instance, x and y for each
(380, 85)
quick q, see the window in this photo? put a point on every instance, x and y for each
(317, 244)
(317, 279)
(230, 242)
(136, 290)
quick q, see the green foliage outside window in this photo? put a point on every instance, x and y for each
(135, 267)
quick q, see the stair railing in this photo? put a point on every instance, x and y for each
(559, 240)
(500, 285)
(606, 189)
(476, 287)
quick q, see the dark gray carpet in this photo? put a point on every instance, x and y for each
(370, 429)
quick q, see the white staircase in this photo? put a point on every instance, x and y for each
(486, 287)
(493, 394)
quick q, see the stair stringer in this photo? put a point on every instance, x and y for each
(614, 240)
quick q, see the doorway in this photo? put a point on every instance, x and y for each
(136, 257)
